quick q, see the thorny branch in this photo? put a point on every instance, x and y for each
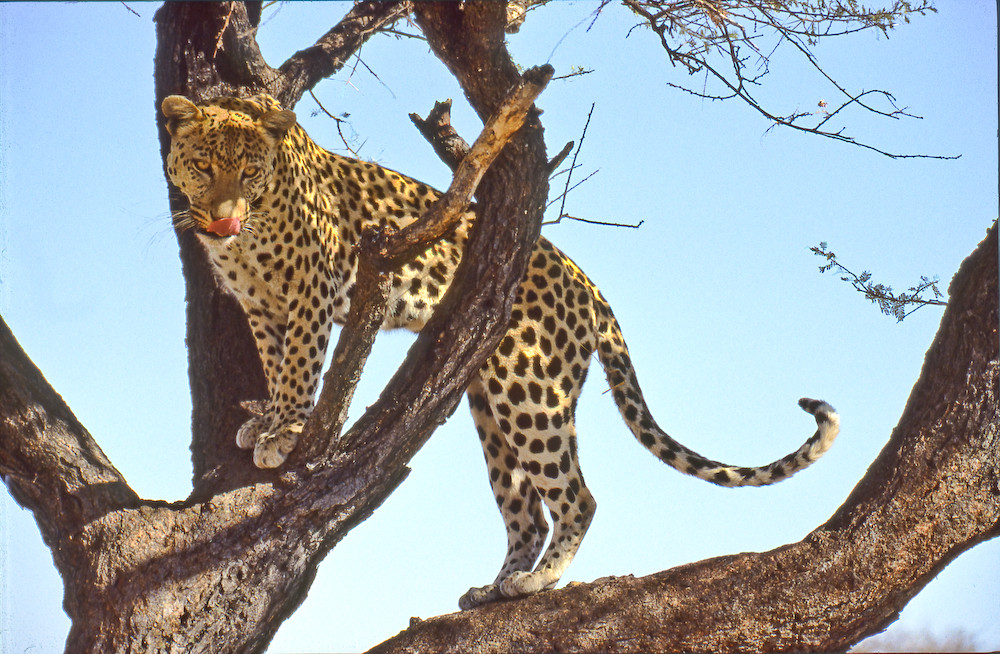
(691, 32)
(888, 302)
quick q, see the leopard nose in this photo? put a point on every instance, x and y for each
(231, 209)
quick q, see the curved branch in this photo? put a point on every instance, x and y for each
(930, 495)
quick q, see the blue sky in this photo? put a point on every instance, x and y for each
(726, 316)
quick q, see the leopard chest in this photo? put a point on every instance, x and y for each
(274, 263)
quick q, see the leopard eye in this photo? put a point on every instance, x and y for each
(203, 165)
(251, 171)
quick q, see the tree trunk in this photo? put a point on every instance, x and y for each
(205, 50)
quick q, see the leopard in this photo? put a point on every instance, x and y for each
(279, 217)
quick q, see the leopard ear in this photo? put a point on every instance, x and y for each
(277, 122)
(179, 110)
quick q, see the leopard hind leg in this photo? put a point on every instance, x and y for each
(518, 501)
(538, 429)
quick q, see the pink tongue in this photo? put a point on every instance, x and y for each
(225, 227)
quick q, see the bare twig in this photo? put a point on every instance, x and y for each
(372, 73)
(691, 32)
(399, 34)
(575, 71)
(602, 222)
(338, 121)
(572, 167)
(562, 196)
(567, 188)
(131, 9)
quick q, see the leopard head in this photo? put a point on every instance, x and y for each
(222, 157)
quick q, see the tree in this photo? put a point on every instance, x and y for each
(244, 527)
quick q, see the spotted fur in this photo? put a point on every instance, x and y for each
(279, 217)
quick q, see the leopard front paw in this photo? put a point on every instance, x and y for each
(274, 446)
(250, 431)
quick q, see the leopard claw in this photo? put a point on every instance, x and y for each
(250, 432)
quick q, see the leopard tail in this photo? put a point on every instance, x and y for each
(614, 357)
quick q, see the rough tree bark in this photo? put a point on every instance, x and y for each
(221, 570)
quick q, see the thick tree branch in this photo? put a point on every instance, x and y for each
(439, 132)
(930, 495)
(307, 67)
(458, 34)
(49, 462)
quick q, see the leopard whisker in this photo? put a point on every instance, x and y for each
(254, 215)
(183, 220)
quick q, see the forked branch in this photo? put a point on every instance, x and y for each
(382, 252)
(447, 211)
